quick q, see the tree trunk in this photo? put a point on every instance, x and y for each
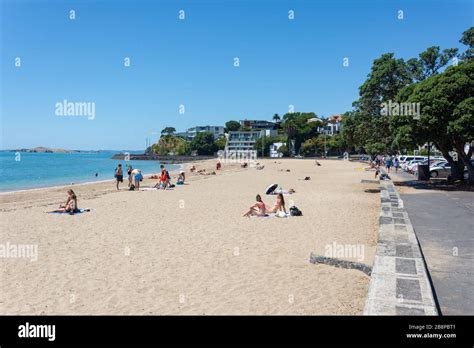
(465, 160)
(457, 167)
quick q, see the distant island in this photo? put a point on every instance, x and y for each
(45, 150)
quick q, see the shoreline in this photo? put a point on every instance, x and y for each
(60, 186)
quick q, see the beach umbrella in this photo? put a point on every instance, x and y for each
(271, 188)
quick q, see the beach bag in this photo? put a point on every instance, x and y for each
(294, 211)
(132, 188)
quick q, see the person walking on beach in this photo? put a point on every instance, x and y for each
(388, 163)
(396, 164)
(118, 175)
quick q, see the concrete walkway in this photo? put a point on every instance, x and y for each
(399, 283)
(444, 225)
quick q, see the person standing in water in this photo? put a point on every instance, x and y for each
(119, 175)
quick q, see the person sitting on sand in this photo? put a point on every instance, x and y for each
(181, 178)
(258, 208)
(193, 168)
(119, 175)
(218, 165)
(71, 204)
(279, 205)
(377, 170)
(164, 178)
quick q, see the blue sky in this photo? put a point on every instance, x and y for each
(191, 62)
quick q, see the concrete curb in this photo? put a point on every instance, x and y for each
(399, 284)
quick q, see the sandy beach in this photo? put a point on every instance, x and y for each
(189, 250)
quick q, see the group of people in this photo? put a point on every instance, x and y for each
(135, 177)
(388, 161)
(261, 209)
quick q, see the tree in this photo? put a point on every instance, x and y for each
(446, 117)
(276, 118)
(313, 146)
(232, 126)
(220, 143)
(204, 144)
(267, 141)
(284, 150)
(168, 131)
(431, 60)
(169, 144)
(298, 129)
(468, 40)
(367, 128)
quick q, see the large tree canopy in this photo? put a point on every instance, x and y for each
(447, 114)
(367, 127)
(297, 127)
(204, 144)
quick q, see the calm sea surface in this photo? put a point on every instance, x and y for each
(34, 170)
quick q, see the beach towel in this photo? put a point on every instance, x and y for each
(77, 211)
(287, 215)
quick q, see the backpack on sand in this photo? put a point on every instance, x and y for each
(294, 211)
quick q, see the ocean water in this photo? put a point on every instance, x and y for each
(34, 170)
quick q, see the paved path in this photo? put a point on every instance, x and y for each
(444, 225)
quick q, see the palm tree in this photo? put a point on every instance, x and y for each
(276, 118)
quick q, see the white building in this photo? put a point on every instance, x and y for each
(242, 140)
(274, 150)
(333, 126)
(257, 124)
(217, 132)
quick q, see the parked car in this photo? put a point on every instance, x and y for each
(440, 170)
(433, 163)
(407, 158)
(410, 166)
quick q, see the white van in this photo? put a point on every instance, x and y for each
(408, 158)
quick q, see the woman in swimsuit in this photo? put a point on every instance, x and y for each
(258, 208)
(70, 206)
(279, 205)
